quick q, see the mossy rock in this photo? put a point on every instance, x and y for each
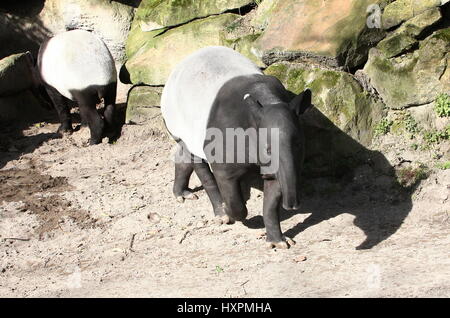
(337, 95)
(414, 78)
(143, 104)
(264, 14)
(159, 14)
(402, 10)
(337, 30)
(405, 37)
(152, 62)
(16, 73)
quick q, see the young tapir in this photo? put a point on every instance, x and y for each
(77, 65)
(216, 91)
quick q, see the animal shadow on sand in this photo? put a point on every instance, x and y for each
(14, 143)
(363, 185)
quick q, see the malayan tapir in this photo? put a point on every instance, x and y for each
(214, 93)
(77, 65)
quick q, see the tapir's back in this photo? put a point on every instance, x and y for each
(75, 60)
(192, 88)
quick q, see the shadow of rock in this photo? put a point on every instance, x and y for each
(343, 176)
(21, 28)
(131, 3)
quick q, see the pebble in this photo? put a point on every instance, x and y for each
(300, 258)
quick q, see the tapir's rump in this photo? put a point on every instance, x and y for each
(75, 60)
(192, 87)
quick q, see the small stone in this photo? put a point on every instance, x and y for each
(300, 258)
(153, 217)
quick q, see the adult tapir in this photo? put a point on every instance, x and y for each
(213, 92)
(77, 65)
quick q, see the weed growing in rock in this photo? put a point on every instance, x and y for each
(383, 127)
(444, 165)
(411, 125)
(437, 136)
(409, 176)
(442, 105)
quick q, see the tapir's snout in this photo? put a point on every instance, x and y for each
(289, 182)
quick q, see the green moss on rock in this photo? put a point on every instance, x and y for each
(158, 55)
(158, 14)
(402, 10)
(143, 106)
(337, 95)
(414, 78)
(405, 37)
(15, 73)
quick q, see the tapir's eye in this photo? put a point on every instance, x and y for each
(268, 150)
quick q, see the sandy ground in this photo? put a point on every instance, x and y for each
(101, 221)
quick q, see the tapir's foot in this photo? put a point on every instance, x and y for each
(186, 195)
(284, 244)
(94, 141)
(223, 219)
(65, 129)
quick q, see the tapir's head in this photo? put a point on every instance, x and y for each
(281, 143)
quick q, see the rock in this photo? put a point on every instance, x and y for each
(110, 20)
(264, 14)
(402, 10)
(300, 258)
(415, 78)
(160, 53)
(23, 106)
(405, 36)
(158, 14)
(143, 104)
(16, 73)
(154, 217)
(340, 125)
(143, 108)
(20, 28)
(427, 118)
(336, 94)
(335, 29)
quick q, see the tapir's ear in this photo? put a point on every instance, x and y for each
(301, 102)
(256, 109)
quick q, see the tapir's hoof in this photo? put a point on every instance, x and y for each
(187, 195)
(64, 129)
(93, 142)
(223, 219)
(284, 244)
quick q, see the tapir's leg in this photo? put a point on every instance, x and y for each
(62, 108)
(232, 195)
(184, 167)
(109, 97)
(209, 183)
(87, 102)
(271, 208)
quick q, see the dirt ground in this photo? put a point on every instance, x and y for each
(101, 221)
